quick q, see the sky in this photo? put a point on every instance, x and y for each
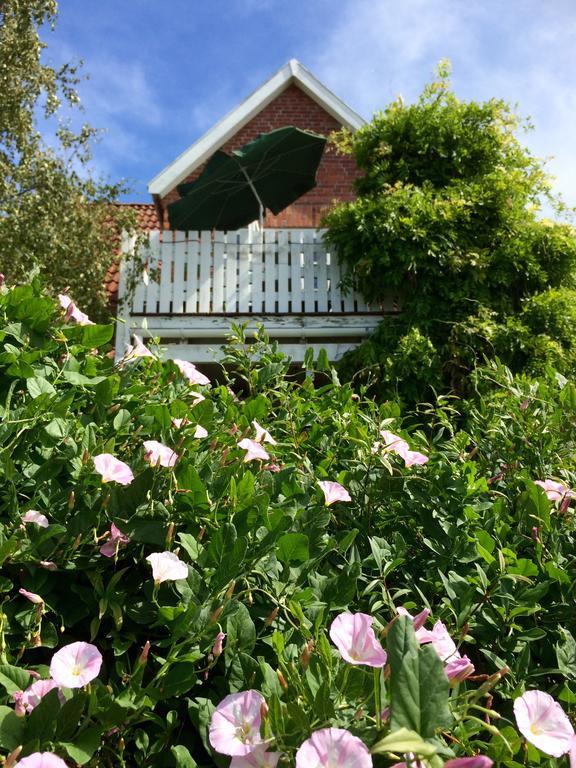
(160, 74)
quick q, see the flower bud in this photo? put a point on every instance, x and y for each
(143, 658)
(306, 653)
(281, 680)
(217, 647)
(271, 617)
(216, 614)
(12, 757)
(71, 500)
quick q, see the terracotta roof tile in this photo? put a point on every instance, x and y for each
(145, 213)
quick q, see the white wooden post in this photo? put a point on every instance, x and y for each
(123, 329)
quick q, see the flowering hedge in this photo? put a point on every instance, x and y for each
(286, 576)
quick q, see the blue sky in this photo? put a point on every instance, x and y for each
(162, 73)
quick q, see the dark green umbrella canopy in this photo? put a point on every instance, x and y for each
(270, 172)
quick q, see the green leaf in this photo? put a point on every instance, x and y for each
(79, 380)
(11, 729)
(41, 723)
(84, 746)
(183, 757)
(13, 678)
(39, 386)
(404, 740)
(566, 654)
(96, 335)
(240, 631)
(419, 687)
(293, 548)
(70, 715)
(180, 678)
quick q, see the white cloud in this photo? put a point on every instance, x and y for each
(524, 52)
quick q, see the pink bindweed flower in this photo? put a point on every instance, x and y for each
(419, 620)
(413, 457)
(72, 311)
(262, 435)
(258, 758)
(116, 540)
(50, 565)
(555, 491)
(112, 469)
(333, 492)
(393, 443)
(41, 760)
(458, 669)
(443, 644)
(254, 451)
(200, 432)
(138, 349)
(32, 596)
(158, 453)
(29, 699)
(235, 723)
(217, 647)
(32, 516)
(477, 761)
(166, 566)
(190, 371)
(543, 722)
(333, 748)
(354, 637)
(75, 665)
(179, 423)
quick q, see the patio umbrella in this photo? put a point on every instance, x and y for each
(234, 189)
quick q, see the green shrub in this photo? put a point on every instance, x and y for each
(468, 535)
(446, 223)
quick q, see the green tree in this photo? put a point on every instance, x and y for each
(447, 222)
(53, 212)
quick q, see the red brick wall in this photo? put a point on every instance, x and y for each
(335, 173)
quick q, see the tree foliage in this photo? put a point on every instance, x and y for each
(447, 222)
(53, 212)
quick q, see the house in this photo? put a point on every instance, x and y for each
(196, 283)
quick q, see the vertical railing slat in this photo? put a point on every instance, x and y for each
(153, 288)
(258, 274)
(192, 260)
(218, 276)
(244, 268)
(204, 276)
(309, 270)
(231, 272)
(283, 271)
(180, 253)
(295, 271)
(321, 275)
(166, 273)
(270, 271)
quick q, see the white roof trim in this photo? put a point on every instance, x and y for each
(201, 150)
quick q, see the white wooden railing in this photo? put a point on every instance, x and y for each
(193, 285)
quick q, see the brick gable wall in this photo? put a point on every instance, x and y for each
(336, 173)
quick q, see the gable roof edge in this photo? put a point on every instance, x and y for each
(231, 123)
